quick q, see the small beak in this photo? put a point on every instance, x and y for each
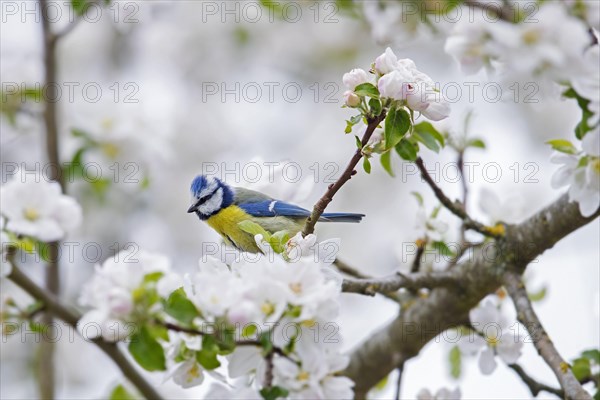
(192, 208)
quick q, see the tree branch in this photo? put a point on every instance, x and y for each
(448, 307)
(505, 13)
(398, 281)
(71, 317)
(534, 386)
(455, 207)
(45, 367)
(542, 342)
(322, 203)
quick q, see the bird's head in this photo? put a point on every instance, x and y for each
(209, 196)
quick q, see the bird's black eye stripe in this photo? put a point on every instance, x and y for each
(203, 199)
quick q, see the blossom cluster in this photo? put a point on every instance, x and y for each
(34, 211)
(272, 311)
(397, 80)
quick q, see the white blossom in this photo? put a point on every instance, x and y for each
(111, 295)
(431, 227)
(509, 209)
(312, 376)
(5, 265)
(237, 392)
(402, 81)
(494, 338)
(581, 174)
(39, 209)
(441, 394)
(471, 43)
(355, 77)
(551, 48)
(587, 83)
(187, 374)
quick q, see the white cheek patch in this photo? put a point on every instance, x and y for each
(211, 185)
(272, 205)
(213, 204)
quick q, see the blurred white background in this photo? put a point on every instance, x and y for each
(173, 54)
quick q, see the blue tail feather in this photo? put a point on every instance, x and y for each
(341, 217)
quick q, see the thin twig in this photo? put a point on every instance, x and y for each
(534, 386)
(465, 191)
(269, 370)
(421, 244)
(45, 367)
(345, 268)
(528, 317)
(71, 317)
(455, 207)
(353, 272)
(398, 281)
(399, 380)
(322, 203)
(505, 13)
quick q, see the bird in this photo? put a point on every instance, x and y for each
(223, 207)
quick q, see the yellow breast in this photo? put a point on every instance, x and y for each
(226, 221)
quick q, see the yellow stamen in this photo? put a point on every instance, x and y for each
(531, 37)
(296, 287)
(110, 149)
(31, 213)
(596, 165)
(267, 308)
(303, 376)
(492, 341)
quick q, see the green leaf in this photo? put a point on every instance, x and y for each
(348, 127)
(265, 342)
(254, 229)
(407, 150)
(564, 146)
(358, 142)
(79, 6)
(478, 143)
(379, 386)
(249, 330)
(427, 139)
(397, 123)
(120, 393)
(455, 359)
(367, 89)
(418, 197)
(274, 392)
(427, 128)
(207, 356)
(443, 249)
(43, 250)
(180, 307)
(100, 186)
(375, 106)
(386, 162)
(26, 244)
(583, 126)
(593, 355)
(367, 165)
(537, 296)
(278, 241)
(356, 119)
(581, 368)
(146, 351)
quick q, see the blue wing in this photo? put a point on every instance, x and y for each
(274, 208)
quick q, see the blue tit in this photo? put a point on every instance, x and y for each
(223, 207)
